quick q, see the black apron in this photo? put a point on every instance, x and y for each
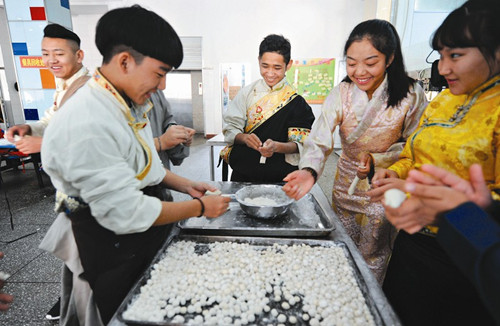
(113, 263)
(245, 162)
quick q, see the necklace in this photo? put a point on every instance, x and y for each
(463, 109)
(455, 119)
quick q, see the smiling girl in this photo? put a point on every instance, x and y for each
(459, 128)
(376, 107)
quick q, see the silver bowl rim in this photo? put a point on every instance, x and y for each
(237, 196)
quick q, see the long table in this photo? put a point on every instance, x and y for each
(9, 153)
(375, 293)
(217, 140)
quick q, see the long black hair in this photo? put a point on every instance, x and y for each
(384, 37)
(474, 24)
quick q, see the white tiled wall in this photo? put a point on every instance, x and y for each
(84, 27)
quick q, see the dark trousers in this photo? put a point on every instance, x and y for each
(113, 263)
(425, 288)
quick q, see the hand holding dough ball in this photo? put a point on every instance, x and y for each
(394, 197)
(213, 193)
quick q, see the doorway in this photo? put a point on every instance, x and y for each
(184, 93)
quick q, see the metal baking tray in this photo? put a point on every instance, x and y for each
(312, 216)
(259, 243)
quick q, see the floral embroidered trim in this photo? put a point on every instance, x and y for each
(224, 153)
(267, 106)
(430, 230)
(298, 135)
(68, 204)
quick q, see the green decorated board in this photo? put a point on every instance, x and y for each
(313, 78)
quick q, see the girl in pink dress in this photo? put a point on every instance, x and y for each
(376, 107)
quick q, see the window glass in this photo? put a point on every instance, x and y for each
(4, 90)
(437, 6)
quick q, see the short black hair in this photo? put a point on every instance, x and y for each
(278, 44)
(140, 29)
(58, 31)
(384, 37)
(474, 24)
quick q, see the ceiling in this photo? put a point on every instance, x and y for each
(83, 9)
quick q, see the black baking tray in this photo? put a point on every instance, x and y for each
(312, 216)
(255, 241)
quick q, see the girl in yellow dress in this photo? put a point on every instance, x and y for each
(459, 128)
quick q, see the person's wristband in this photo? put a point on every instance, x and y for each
(313, 173)
(159, 144)
(202, 206)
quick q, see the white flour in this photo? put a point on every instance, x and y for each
(260, 201)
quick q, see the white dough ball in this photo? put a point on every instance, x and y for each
(236, 283)
(394, 197)
(285, 305)
(4, 276)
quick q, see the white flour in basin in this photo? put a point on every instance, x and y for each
(260, 201)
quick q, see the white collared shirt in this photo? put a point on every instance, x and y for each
(90, 151)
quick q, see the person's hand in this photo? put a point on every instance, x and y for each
(423, 206)
(251, 140)
(364, 166)
(215, 205)
(21, 130)
(298, 184)
(190, 134)
(175, 135)
(268, 148)
(384, 174)
(382, 185)
(198, 189)
(29, 144)
(411, 216)
(436, 192)
(476, 190)
(5, 299)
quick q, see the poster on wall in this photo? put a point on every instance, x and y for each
(312, 78)
(234, 76)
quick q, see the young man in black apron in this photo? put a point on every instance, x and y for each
(100, 154)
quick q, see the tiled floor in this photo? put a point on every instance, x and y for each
(34, 280)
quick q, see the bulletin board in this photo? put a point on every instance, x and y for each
(234, 76)
(312, 78)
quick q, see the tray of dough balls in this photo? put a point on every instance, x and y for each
(311, 216)
(218, 280)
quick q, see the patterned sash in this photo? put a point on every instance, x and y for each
(76, 85)
(132, 122)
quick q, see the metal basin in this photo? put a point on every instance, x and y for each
(273, 192)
